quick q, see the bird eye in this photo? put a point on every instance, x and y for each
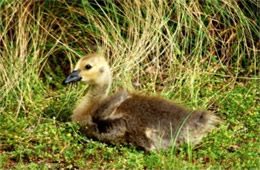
(88, 67)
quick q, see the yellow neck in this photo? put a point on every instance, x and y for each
(97, 92)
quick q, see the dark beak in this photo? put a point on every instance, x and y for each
(73, 77)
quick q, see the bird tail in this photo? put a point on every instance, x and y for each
(198, 125)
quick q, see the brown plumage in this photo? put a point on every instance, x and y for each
(148, 122)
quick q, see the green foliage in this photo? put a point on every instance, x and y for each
(203, 54)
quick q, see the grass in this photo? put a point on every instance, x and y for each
(203, 54)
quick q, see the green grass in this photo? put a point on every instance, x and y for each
(202, 54)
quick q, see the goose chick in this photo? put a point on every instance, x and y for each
(148, 122)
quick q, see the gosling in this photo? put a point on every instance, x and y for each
(148, 122)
